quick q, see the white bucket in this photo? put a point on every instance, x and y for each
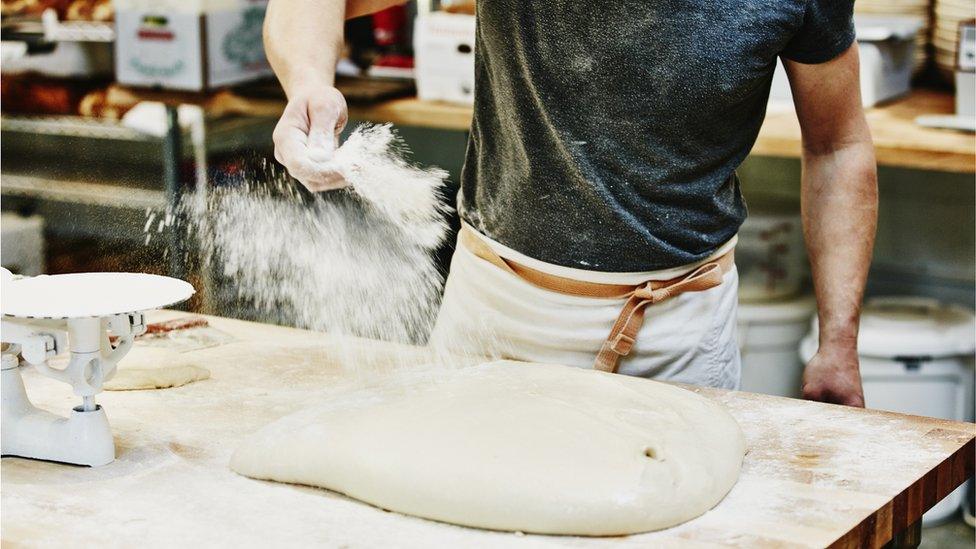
(916, 358)
(770, 256)
(769, 335)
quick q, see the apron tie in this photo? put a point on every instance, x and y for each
(625, 329)
(623, 335)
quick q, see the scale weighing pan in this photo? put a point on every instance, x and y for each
(87, 295)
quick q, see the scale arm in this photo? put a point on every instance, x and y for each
(38, 340)
(126, 327)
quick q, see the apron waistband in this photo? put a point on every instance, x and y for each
(625, 329)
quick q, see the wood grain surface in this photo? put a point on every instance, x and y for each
(815, 475)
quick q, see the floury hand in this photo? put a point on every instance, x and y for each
(306, 137)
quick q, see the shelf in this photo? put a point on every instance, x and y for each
(223, 134)
(48, 29)
(80, 192)
(411, 111)
(75, 31)
(898, 140)
(74, 126)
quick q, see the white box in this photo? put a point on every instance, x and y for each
(886, 47)
(770, 256)
(444, 57)
(192, 50)
(965, 94)
(966, 71)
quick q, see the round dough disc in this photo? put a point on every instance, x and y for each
(154, 368)
(148, 368)
(513, 446)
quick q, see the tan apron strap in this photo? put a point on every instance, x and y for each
(480, 248)
(628, 324)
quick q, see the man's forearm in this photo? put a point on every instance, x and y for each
(840, 212)
(303, 40)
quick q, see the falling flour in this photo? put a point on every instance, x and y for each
(357, 261)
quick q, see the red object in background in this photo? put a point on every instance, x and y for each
(394, 60)
(35, 94)
(388, 25)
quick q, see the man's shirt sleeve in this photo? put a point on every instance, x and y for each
(827, 31)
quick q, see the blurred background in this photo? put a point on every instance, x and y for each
(114, 109)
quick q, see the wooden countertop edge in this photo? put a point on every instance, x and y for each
(907, 508)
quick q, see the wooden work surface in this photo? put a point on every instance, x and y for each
(815, 474)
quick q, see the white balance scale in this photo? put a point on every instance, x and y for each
(45, 316)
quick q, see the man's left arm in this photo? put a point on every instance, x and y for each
(839, 196)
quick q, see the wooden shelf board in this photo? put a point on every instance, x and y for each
(411, 111)
(898, 140)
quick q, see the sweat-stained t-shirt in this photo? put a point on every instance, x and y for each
(606, 134)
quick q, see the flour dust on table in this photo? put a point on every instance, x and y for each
(514, 446)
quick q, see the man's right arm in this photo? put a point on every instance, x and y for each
(303, 40)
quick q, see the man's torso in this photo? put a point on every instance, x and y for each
(606, 134)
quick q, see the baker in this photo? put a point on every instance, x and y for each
(599, 195)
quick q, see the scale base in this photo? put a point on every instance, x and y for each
(84, 438)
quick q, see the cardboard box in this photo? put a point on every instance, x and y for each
(444, 57)
(195, 50)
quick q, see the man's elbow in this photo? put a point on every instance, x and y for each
(851, 164)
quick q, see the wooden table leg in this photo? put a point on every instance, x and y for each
(909, 538)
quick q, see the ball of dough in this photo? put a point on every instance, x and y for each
(514, 446)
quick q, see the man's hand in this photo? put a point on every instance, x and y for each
(833, 376)
(302, 39)
(307, 135)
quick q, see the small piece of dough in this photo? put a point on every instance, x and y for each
(514, 446)
(154, 368)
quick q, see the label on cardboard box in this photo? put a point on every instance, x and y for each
(234, 45)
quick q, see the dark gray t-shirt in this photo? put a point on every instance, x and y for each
(606, 134)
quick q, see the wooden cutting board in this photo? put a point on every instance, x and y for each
(815, 475)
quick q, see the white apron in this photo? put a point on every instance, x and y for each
(689, 338)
